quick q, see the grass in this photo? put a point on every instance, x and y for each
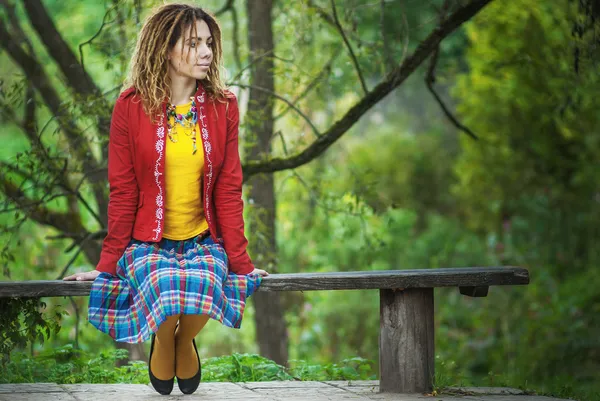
(68, 365)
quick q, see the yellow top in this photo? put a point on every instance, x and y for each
(184, 212)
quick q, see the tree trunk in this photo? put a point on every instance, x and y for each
(271, 330)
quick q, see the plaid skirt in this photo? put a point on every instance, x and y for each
(156, 280)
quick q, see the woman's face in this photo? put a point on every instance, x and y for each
(193, 59)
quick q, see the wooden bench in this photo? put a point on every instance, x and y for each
(406, 329)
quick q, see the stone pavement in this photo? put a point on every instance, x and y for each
(268, 391)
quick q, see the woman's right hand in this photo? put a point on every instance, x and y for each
(260, 272)
(87, 276)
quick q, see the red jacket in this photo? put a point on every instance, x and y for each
(136, 163)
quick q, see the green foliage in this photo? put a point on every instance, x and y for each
(344, 233)
(242, 367)
(69, 365)
(251, 367)
(540, 140)
(21, 323)
(398, 191)
(355, 368)
(531, 185)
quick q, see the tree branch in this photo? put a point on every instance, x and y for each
(29, 178)
(97, 235)
(340, 29)
(94, 36)
(390, 82)
(322, 13)
(7, 167)
(82, 241)
(388, 57)
(407, 38)
(312, 84)
(33, 210)
(226, 7)
(77, 320)
(229, 6)
(14, 23)
(29, 121)
(27, 124)
(76, 76)
(28, 127)
(37, 76)
(283, 144)
(255, 60)
(335, 22)
(430, 80)
(290, 104)
(69, 263)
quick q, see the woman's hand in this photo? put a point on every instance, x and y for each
(260, 272)
(88, 276)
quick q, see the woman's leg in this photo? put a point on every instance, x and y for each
(185, 356)
(163, 355)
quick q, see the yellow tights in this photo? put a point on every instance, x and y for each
(173, 351)
(185, 355)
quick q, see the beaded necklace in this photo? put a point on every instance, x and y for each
(187, 121)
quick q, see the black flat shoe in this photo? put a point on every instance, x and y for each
(163, 387)
(188, 386)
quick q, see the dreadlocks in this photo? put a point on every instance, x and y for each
(159, 34)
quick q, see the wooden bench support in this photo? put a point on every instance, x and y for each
(406, 340)
(474, 291)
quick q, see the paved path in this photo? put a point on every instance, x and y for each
(267, 391)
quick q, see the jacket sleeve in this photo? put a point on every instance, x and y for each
(229, 205)
(123, 198)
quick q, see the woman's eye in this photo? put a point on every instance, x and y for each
(192, 44)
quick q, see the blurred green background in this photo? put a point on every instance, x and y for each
(402, 188)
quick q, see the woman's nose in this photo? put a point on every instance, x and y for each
(204, 51)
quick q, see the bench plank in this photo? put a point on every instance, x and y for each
(363, 280)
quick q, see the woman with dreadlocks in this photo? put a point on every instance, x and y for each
(175, 252)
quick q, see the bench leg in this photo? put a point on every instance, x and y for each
(406, 341)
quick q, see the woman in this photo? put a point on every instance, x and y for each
(175, 253)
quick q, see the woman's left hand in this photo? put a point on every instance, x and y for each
(260, 272)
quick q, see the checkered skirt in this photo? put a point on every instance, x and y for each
(156, 280)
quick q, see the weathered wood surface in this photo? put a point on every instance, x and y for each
(385, 279)
(406, 340)
(255, 391)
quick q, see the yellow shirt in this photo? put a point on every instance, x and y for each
(184, 213)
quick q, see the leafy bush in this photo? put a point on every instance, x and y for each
(21, 322)
(70, 365)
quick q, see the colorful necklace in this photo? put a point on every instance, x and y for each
(187, 121)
